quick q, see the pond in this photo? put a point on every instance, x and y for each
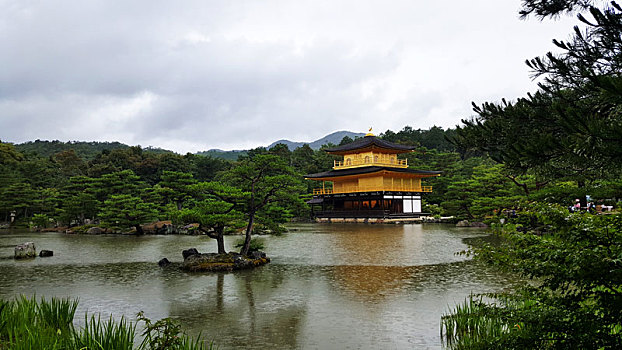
(329, 286)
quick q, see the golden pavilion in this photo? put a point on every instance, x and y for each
(371, 182)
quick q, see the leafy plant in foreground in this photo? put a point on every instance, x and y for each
(105, 335)
(575, 299)
(167, 334)
(32, 324)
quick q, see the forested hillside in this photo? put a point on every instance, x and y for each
(84, 149)
(56, 185)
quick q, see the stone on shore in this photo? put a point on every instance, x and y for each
(159, 228)
(25, 251)
(95, 231)
(46, 253)
(223, 262)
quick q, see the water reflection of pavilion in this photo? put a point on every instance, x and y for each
(370, 183)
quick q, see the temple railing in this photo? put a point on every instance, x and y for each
(356, 189)
(356, 163)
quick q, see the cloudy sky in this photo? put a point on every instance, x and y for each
(195, 75)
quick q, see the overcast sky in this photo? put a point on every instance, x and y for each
(195, 75)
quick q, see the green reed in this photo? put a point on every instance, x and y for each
(102, 335)
(31, 324)
(474, 324)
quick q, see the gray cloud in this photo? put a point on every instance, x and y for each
(240, 74)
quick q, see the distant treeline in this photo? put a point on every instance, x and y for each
(49, 177)
(433, 138)
(84, 149)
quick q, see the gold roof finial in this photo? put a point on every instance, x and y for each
(369, 133)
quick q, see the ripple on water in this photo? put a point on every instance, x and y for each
(341, 286)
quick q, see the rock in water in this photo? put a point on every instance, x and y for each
(25, 251)
(257, 254)
(222, 262)
(164, 262)
(188, 252)
(463, 223)
(45, 253)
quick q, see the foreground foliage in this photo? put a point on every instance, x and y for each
(575, 300)
(568, 131)
(48, 325)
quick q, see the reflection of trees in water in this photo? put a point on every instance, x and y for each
(246, 308)
(375, 283)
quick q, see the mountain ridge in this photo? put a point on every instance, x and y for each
(89, 149)
(334, 138)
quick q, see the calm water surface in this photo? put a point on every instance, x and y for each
(339, 286)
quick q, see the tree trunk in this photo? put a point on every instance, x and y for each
(249, 229)
(540, 185)
(521, 185)
(582, 199)
(220, 240)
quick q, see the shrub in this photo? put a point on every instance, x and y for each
(256, 244)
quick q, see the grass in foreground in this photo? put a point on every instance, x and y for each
(48, 325)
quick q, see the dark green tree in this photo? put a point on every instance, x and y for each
(175, 187)
(70, 164)
(269, 181)
(41, 172)
(119, 182)
(575, 302)
(78, 200)
(123, 211)
(206, 168)
(324, 161)
(174, 162)
(552, 8)
(19, 197)
(282, 151)
(345, 140)
(572, 127)
(214, 210)
(303, 160)
(9, 160)
(8, 154)
(78, 207)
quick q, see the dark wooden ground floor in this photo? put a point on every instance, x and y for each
(367, 205)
